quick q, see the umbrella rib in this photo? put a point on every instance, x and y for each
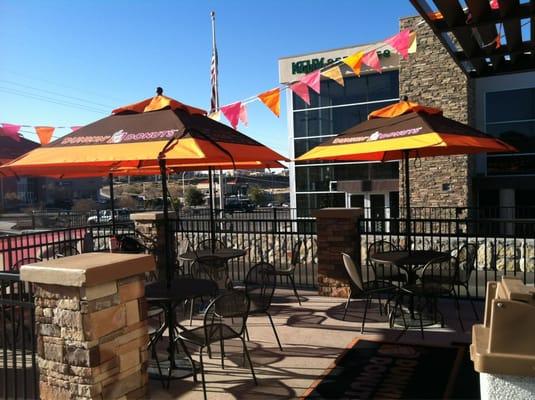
(217, 145)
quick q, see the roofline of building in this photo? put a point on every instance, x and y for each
(326, 50)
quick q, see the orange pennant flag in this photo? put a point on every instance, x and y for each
(354, 61)
(272, 100)
(44, 133)
(334, 73)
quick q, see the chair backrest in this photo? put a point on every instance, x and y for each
(296, 253)
(381, 271)
(213, 268)
(231, 309)
(380, 246)
(24, 261)
(354, 272)
(208, 244)
(440, 273)
(260, 285)
(466, 258)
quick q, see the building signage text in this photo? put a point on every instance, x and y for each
(307, 66)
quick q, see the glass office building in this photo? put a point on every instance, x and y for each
(339, 184)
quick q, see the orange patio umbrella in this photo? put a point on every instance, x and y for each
(155, 135)
(401, 131)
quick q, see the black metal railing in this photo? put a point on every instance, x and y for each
(18, 365)
(505, 247)
(15, 249)
(270, 240)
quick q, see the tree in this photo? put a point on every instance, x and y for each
(257, 195)
(126, 201)
(193, 196)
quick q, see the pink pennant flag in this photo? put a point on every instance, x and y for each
(75, 128)
(301, 89)
(243, 115)
(372, 60)
(312, 80)
(11, 131)
(232, 113)
(401, 42)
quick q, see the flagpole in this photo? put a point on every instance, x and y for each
(215, 104)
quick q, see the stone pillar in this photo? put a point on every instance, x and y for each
(431, 77)
(337, 233)
(91, 326)
(152, 225)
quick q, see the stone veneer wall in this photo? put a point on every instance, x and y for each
(337, 233)
(431, 77)
(91, 325)
(92, 342)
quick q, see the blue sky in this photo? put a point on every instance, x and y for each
(97, 55)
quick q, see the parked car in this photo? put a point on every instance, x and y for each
(104, 216)
(236, 205)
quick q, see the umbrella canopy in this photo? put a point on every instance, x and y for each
(180, 134)
(405, 126)
(401, 131)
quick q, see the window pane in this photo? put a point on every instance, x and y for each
(510, 105)
(311, 179)
(351, 172)
(519, 134)
(511, 165)
(301, 146)
(307, 202)
(389, 170)
(383, 86)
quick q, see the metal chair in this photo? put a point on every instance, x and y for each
(466, 258)
(358, 289)
(213, 268)
(225, 319)
(384, 272)
(260, 285)
(437, 279)
(289, 271)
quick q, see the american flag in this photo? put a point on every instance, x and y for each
(214, 101)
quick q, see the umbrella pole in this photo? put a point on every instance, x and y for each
(112, 204)
(167, 242)
(407, 199)
(211, 194)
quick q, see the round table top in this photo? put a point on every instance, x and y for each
(403, 257)
(226, 253)
(180, 289)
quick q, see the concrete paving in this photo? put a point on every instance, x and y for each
(312, 337)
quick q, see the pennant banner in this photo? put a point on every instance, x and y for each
(371, 59)
(400, 43)
(272, 100)
(243, 115)
(44, 133)
(11, 131)
(312, 80)
(75, 128)
(354, 61)
(216, 116)
(334, 73)
(301, 89)
(232, 113)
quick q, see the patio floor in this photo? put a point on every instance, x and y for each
(312, 336)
